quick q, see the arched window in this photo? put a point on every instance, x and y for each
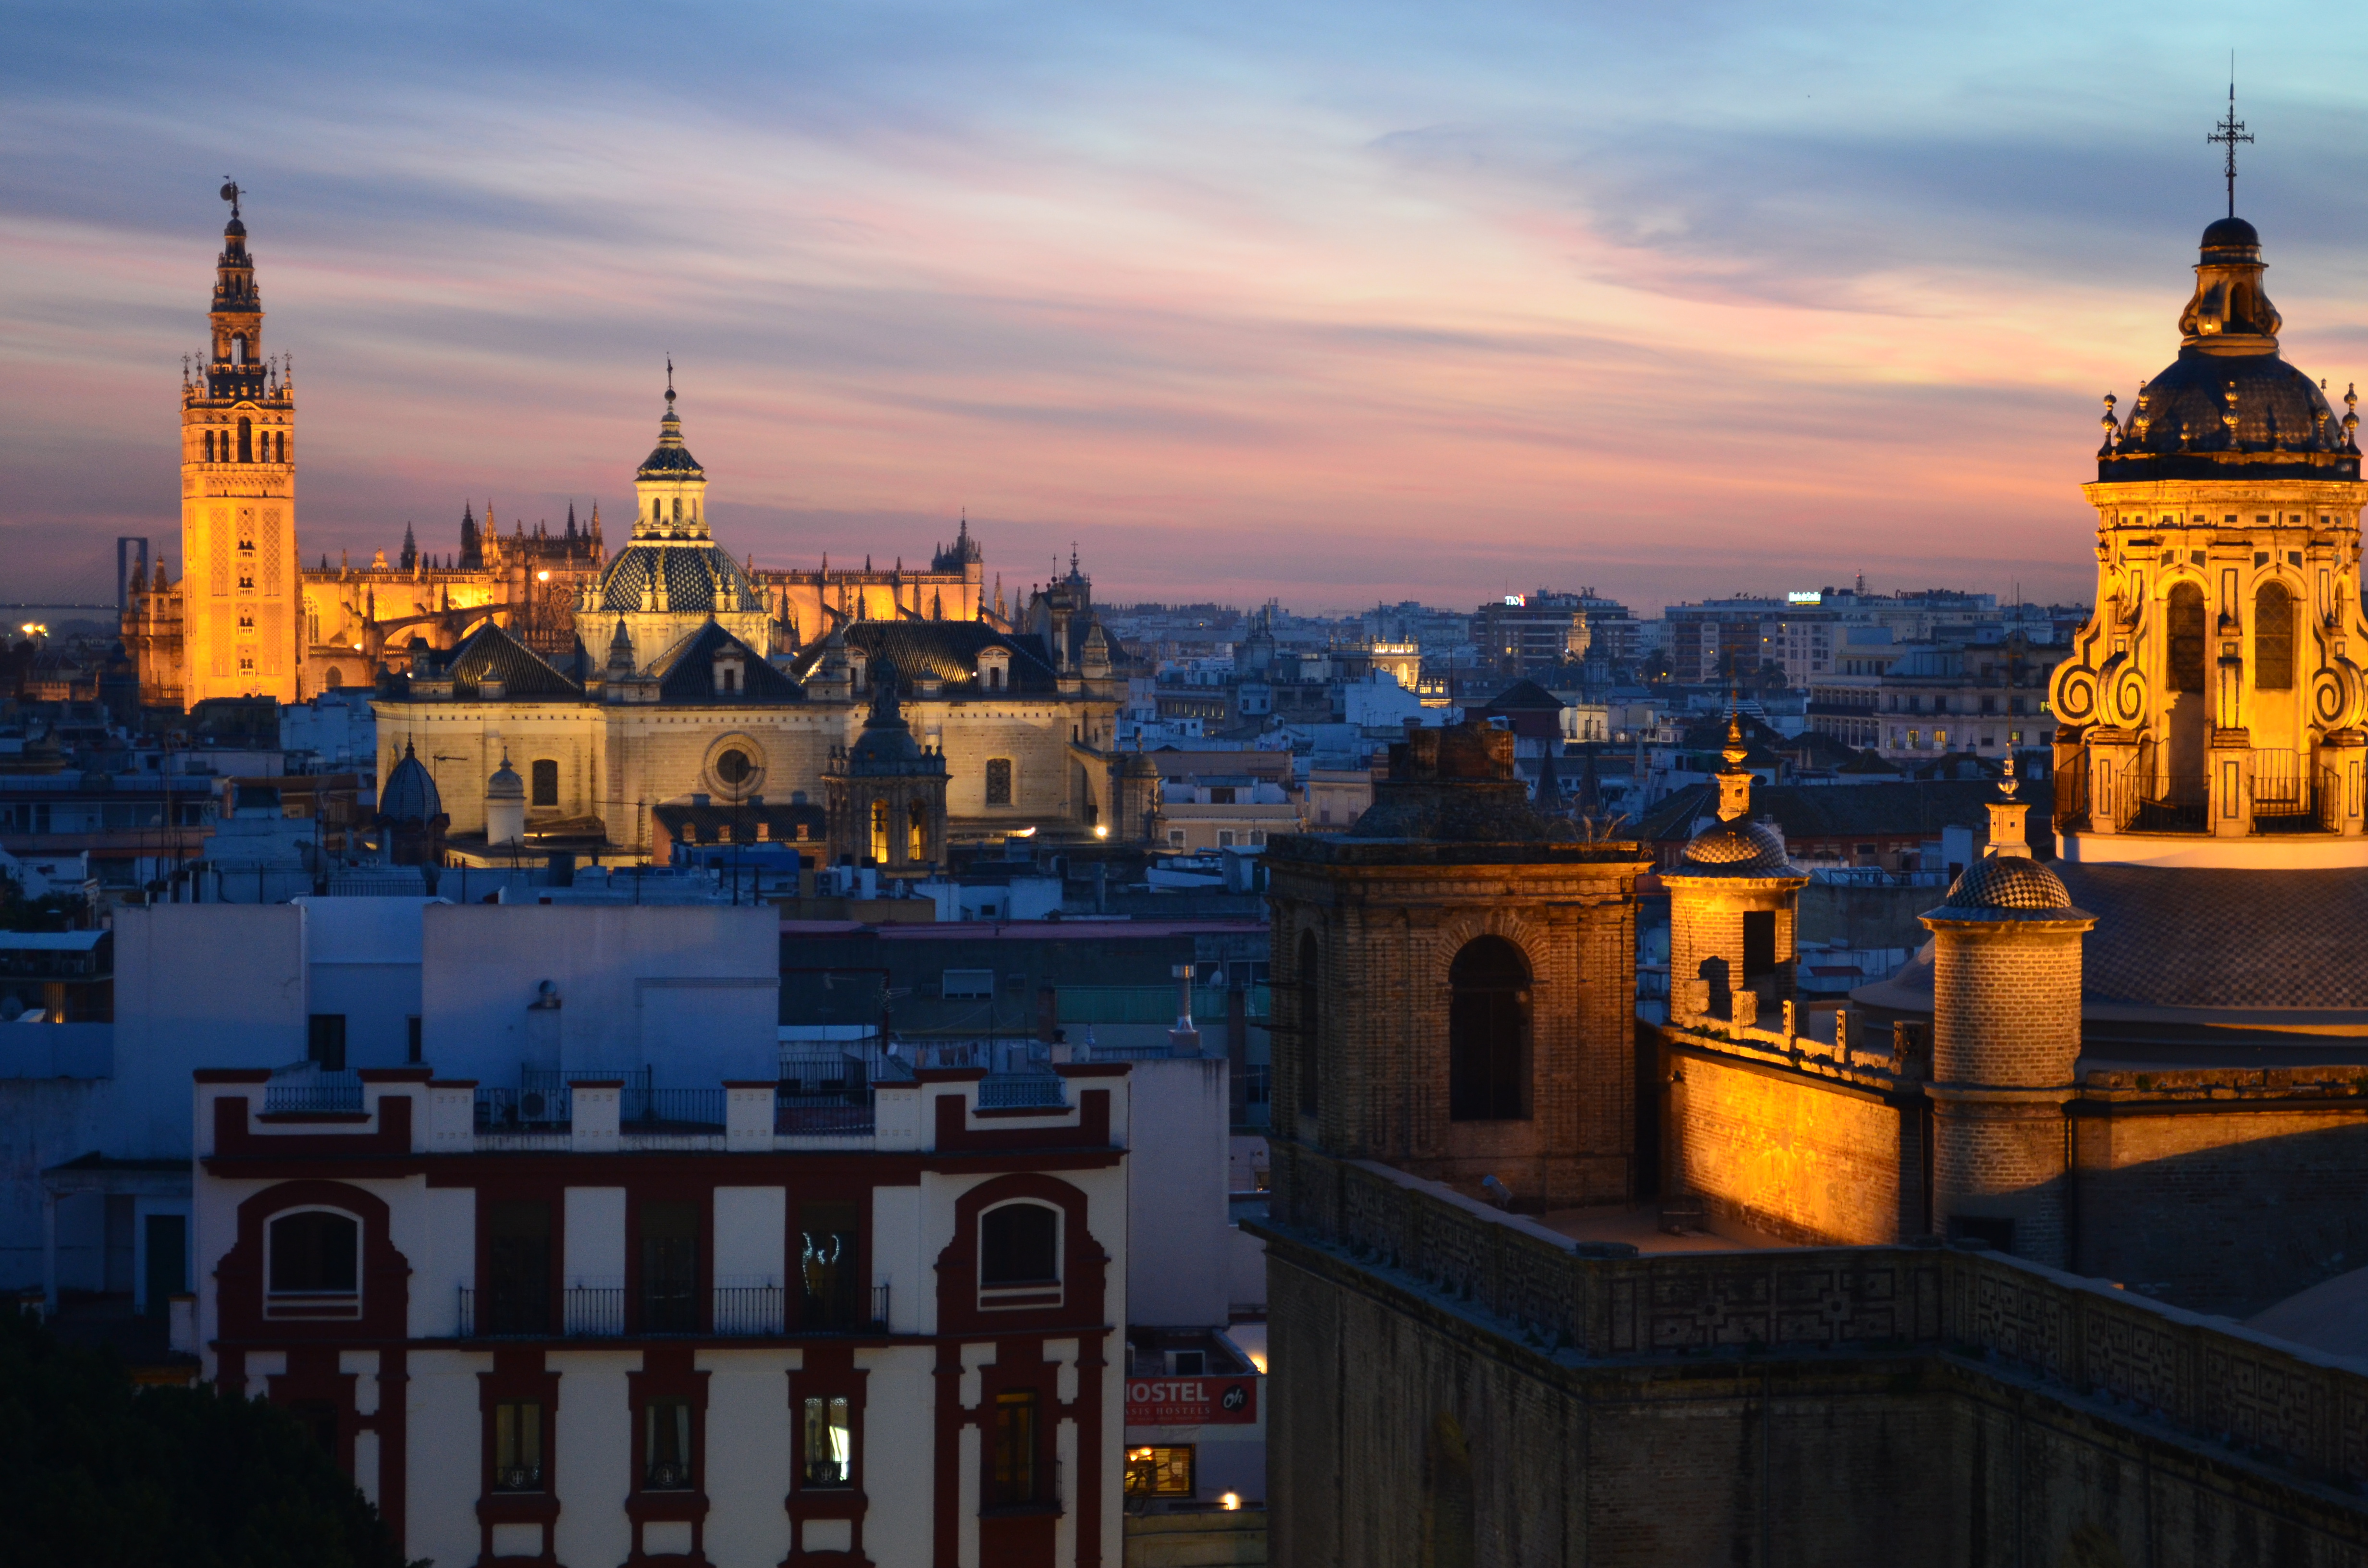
(2273, 638)
(209, 446)
(657, 511)
(245, 441)
(1311, 1018)
(916, 836)
(998, 782)
(546, 782)
(1020, 1244)
(238, 350)
(2186, 638)
(677, 508)
(1488, 1032)
(315, 1252)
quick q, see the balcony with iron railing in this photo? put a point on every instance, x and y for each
(306, 1088)
(741, 1311)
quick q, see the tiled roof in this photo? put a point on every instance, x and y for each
(492, 655)
(2195, 938)
(1524, 696)
(685, 672)
(947, 650)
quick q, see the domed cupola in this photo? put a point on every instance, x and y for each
(2229, 407)
(1735, 846)
(671, 575)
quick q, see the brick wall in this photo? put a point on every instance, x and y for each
(1809, 1160)
(2005, 1004)
(1707, 922)
(1386, 934)
(1452, 1385)
(2224, 1205)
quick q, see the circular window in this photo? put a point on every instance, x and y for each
(734, 768)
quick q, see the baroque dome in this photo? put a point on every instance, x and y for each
(2229, 407)
(695, 576)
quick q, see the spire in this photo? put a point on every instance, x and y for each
(1734, 780)
(2228, 132)
(2007, 836)
(410, 556)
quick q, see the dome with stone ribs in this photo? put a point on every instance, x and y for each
(698, 576)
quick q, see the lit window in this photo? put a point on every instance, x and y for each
(1011, 1464)
(1159, 1472)
(829, 1444)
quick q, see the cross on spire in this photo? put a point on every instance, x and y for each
(2227, 133)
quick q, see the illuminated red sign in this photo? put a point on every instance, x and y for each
(1190, 1402)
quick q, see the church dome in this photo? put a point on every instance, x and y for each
(2007, 887)
(1736, 847)
(410, 795)
(698, 577)
(2229, 407)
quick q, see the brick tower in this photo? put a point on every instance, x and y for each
(2006, 1039)
(1455, 983)
(1733, 903)
(242, 630)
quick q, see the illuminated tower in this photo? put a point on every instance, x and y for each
(2212, 711)
(241, 587)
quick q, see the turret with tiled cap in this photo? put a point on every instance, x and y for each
(1734, 902)
(2006, 1043)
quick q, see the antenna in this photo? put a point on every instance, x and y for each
(2228, 132)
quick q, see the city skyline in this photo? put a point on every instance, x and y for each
(1338, 307)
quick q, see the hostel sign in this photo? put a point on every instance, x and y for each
(1190, 1402)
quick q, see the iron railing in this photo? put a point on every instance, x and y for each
(593, 1312)
(674, 1108)
(310, 1090)
(2163, 802)
(841, 1112)
(2337, 800)
(598, 1312)
(1015, 1091)
(2281, 784)
(2072, 791)
(747, 1309)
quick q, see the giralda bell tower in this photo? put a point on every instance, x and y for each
(242, 590)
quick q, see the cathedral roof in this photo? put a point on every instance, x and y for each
(946, 650)
(410, 796)
(685, 672)
(490, 654)
(2229, 407)
(699, 578)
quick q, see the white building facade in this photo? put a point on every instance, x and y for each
(598, 1282)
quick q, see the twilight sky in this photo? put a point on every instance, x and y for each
(1332, 303)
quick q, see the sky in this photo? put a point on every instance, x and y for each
(1336, 304)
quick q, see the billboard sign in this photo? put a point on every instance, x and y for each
(1190, 1402)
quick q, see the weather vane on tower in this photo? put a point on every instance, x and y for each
(2227, 133)
(230, 193)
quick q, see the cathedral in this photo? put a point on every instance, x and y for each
(602, 687)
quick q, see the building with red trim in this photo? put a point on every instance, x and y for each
(614, 1298)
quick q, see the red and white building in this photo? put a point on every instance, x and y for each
(584, 1316)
